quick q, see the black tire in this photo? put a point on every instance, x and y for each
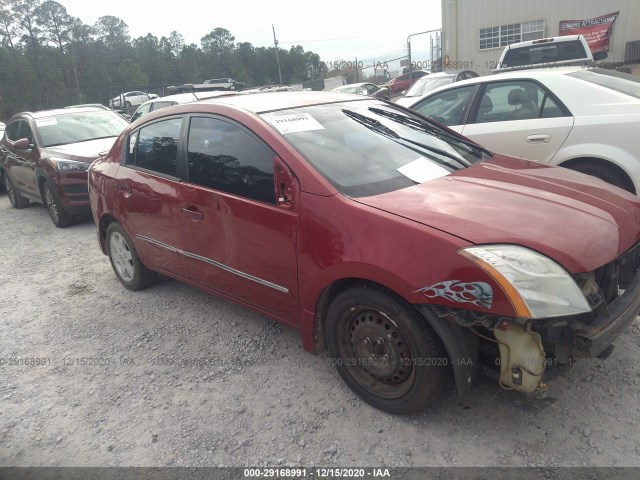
(364, 325)
(609, 175)
(125, 260)
(53, 205)
(2, 189)
(17, 200)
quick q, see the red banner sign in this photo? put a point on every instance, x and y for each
(595, 30)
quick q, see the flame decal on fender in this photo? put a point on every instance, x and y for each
(476, 293)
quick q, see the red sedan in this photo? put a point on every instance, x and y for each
(407, 251)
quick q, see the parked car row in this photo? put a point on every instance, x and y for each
(365, 89)
(406, 250)
(131, 99)
(585, 119)
(44, 157)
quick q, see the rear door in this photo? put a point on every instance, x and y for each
(147, 192)
(520, 118)
(238, 238)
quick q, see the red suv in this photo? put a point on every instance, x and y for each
(406, 250)
(45, 155)
(403, 82)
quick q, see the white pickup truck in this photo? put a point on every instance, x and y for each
(548, 52)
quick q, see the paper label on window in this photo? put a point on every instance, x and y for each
(45, 122)
(298, 122)
(423, 170)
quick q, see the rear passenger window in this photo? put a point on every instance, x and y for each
(156, 147)
(224, 157)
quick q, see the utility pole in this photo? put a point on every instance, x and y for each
(275, 43)
(409, 42)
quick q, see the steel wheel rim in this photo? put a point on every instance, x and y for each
(121, 256)
(51, 204)
(376, 352)
(10, 192)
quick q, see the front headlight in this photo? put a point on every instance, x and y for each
(536, 285)
(63, 165)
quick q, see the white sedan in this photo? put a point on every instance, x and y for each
(584, 119)
(131, 99)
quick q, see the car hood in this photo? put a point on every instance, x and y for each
(579, 221)
(81, 151)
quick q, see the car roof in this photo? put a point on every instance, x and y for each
(273, 101)
(60, 111)
(534, 73)
(559, 39)
(188, 97)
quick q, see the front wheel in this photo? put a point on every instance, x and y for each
(56, 211)
(385, 351)
(125, 261)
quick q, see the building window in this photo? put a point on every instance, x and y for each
(504, 35)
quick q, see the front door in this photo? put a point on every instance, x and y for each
(237, 239)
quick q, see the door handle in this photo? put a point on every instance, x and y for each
(195, 214)
(544, 138)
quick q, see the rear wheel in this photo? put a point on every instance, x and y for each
(17, 200)
(59, 217)
(385, 351)
(608, 174)
(125, 261)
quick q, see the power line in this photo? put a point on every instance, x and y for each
(322, 40)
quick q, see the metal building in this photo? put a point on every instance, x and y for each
(474, 32)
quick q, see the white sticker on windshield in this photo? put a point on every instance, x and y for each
(45, 122)
(298, 122)
(423, 170)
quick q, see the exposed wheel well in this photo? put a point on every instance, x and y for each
(41, 180)
(605, 165)
(105, 221)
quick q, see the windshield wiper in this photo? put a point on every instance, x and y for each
(377, 126)
(433, 129)
(371, 123)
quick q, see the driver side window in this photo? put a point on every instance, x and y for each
(447, 107)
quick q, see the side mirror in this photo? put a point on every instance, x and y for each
(600, 56)
(22, 144)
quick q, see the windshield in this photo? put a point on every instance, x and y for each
(544, 53)
(368, 148)
(425, 85)
(79, 127)
(618, 81)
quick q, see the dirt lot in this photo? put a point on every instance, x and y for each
(186, 379)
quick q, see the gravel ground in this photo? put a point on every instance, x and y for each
(187, 379)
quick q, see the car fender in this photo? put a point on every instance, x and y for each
(618, 156)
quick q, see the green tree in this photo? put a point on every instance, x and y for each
(131, 73)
